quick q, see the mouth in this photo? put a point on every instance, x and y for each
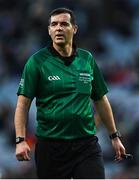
(59, 36)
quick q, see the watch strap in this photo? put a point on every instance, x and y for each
(114, 135)
(19, 139)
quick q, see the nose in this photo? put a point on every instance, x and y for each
(59, 27)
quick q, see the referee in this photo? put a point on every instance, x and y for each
(64, 79)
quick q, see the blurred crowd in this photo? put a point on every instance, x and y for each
(110, 30)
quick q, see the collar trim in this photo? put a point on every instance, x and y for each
(67, 60)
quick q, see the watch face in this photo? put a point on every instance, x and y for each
(114, 135)
(19, 139)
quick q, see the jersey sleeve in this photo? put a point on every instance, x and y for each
(29, 79)
(99, 87)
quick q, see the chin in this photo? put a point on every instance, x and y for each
(60, 43)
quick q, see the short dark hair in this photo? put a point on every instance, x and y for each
(63, 10)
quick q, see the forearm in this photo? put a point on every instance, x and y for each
(21, 116)
(104, 110)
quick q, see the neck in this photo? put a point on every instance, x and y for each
(64, 51)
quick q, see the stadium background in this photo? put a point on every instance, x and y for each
(110, 30)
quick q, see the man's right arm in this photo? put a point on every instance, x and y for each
(20, 121)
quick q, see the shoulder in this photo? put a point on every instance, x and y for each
(39, 56)
(84, 53)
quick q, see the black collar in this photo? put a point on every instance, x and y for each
(67, 60)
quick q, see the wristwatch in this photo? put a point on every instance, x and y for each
(19, 139)
(114, 135)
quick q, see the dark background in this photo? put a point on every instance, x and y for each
(110, 30)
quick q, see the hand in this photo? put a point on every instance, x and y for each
(23, 151)
(119, 148)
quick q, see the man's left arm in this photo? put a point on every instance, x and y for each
(104, 110)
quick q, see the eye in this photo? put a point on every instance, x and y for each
(53, 24)
(65, 24)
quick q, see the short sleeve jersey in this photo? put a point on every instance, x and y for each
(63, 93)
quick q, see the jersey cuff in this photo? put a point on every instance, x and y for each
(26, 95)
(100, 96)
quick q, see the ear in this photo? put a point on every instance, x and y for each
(49, 30)
(75, 29)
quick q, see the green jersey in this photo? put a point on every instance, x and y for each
(63, 93)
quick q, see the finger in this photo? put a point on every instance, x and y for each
(20, 158)
(26, 155)
(118, 156)
(122, 151)
(25, 158)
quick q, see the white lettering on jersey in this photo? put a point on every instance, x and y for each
(21, 82)
(53, 78)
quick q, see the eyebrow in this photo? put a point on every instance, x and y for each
(59, 22)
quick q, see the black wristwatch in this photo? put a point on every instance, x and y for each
(114, 135)
(19, 139)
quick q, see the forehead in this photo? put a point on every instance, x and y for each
(61, 17)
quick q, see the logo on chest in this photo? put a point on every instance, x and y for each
(54, 78)
(85, 77)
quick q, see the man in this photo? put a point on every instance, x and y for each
(64, 79)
